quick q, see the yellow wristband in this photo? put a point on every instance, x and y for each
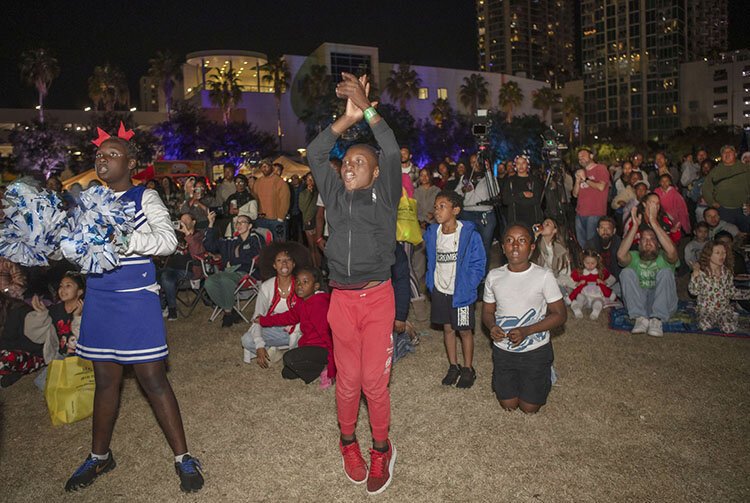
(370, 113)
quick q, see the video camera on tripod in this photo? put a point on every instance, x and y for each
(480, 128)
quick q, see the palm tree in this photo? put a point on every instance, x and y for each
(39, 69)
(403, 84)
(510, 97)
(473, 92)
(225, 91)
(544, 99)
(441, 112)
(571, 108)
(108, 87)
(167, 68)
(278, 75)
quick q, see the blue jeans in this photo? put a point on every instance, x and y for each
(277, 228)
(169, 280)
(659, 302)
(485, 222)
(586, 228)
(272, 337)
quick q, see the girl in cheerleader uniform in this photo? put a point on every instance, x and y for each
(122, 322)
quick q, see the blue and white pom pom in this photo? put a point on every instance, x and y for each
(100, 228)
(33, 226)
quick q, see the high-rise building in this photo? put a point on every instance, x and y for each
(707, 24)
(631, 55)
(528, 38)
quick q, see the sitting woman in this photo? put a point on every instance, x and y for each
(551, 252)
(314, 355)
(184, 263)
(32, 337)
(712, 282)
(237, 254)
(277, 295)
(197, 201)
(667, 223)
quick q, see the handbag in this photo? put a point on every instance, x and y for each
(407, 224)
(69, 390)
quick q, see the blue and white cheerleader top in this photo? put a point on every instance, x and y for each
(122, 320)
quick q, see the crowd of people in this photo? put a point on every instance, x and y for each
(334, 280)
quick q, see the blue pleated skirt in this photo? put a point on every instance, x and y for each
(122, 327)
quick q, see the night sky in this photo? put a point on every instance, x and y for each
(83, 34)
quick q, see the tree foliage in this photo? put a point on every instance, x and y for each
(40, 149)
(108, 88)
(167, 68)
(474, 92)
(510, 97)
(403, 84)
(225, 91)
(39, 68)
(544, 99)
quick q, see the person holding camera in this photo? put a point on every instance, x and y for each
(476, 193)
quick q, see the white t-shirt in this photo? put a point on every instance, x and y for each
(521, 300)
(446, 259)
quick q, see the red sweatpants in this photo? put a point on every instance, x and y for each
(362, 326)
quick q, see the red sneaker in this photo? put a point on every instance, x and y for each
(355, 467)
(381, 469)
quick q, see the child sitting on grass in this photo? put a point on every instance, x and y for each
(593, 285)
(455, 268)
(522, 303)
(313, 355)
(712, 282)
(695, 247)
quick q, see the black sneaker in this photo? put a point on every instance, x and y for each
(191, 474)
(9, 380)
(468, 376)
(89, 471)
(172, 316)
(228, 320)
(454, 371)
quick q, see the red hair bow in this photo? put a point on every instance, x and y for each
(123, 133)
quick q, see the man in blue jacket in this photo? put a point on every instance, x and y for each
(454, 245)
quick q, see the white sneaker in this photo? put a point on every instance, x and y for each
(165, 312)
(654, 327)
(275, 354)
(577, 313)
(595, 313)
(641, 325)
(247, 356)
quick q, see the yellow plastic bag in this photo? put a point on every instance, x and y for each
(407, 225)
(69, 390)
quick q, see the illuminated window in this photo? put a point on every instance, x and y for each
(424, 93)
(442, 93)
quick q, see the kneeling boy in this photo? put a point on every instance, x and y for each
(522, 302)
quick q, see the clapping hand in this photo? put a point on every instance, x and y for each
(211, 218)
(355, 91)
(636, 217)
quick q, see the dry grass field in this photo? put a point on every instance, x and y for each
(633, 418)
